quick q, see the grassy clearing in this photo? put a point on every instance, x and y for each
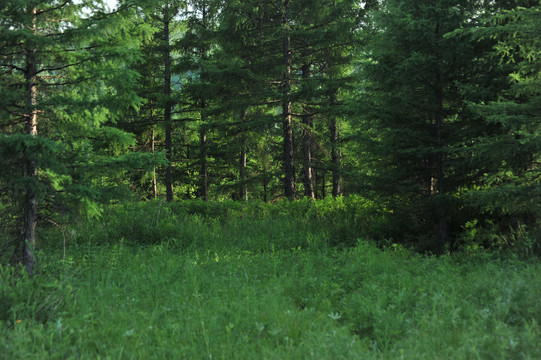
(211, 293)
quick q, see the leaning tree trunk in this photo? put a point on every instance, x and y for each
(307, 143)
(289, 165)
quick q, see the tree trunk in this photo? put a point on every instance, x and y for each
(442, 227)
(289, 165)
(242, 162)
(154, 181)
(335, 157)
(265, 185)
(30, 168)
(323, 185)
(307, 143)
(167, 110)
(203, 187)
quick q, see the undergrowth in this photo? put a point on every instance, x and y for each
(260, 284)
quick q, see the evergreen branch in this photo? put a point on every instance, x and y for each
(79, 81)
(13, 67)
(56, 51)
(53, 8)
(305, 115)
(62, 67)
(15, 122)
(320, 25)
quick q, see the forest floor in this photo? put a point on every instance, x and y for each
(213, 300)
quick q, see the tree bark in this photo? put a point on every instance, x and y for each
(154, 181)
(243, 162)
(335, 156)
(307, 143)
(167, 109)
(323, 185)
(442, 227)
(30, 168)
(203, 187)
(289, 164)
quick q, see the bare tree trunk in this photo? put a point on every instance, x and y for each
(323, 185)
(335, 158)
(243, 162)
(442, 228)
(167, 110)
(30, 168)
(203, 187)
(307, 144)
(154, 181)
(289, 164)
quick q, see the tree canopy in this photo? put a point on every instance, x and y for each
(429, 108)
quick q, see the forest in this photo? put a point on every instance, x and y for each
(270, 179)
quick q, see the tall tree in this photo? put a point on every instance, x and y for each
(419, 80)
(287, 122)
(52, 112)
(510, 153)
(248, 78)
(197, 44)
(324, 38)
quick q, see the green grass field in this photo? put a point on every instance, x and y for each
(210, 292)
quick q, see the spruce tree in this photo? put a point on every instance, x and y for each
(418, 81)
(509, 189)
(58, 64)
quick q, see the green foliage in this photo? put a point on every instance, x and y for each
(510, 184)
(284, 225)
(65, 78)
(418, 135)
(39, 299)
(249, 300)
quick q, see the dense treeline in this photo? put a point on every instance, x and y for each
(431, 109)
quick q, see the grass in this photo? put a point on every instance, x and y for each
(211, 293)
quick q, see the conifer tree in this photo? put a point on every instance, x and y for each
(58, 66)
(325, 35)
(245, 77)
(419, 80)
(510, 154)
(197, 45)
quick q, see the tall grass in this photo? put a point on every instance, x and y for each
(262, 286)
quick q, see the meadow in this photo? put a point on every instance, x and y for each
(196, 281)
